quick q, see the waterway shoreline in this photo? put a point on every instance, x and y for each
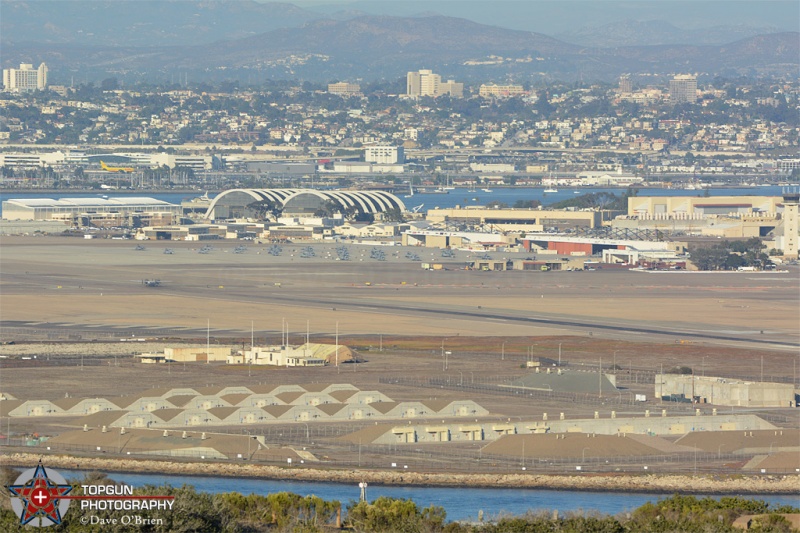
(644, 483)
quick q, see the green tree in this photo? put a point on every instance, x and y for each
(393, 215)
(527, 204)
(265, 209)
(387, 515)
(328, 209)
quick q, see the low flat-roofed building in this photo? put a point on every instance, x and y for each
(694, 207)
(310, 354)
(618, 179)
(546, 263)
(205, 354)
(281, 169)
(455, 239)
(724, 391)
(513, 219)
(570, 245)
(48, 208)
(187, 354)
(369, 230)
(201, 232)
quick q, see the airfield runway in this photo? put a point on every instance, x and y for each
(71, 284)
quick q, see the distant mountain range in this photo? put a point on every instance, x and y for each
(144, 22)
(223, 38)
(658, 32)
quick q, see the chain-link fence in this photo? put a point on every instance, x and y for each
(423, 459)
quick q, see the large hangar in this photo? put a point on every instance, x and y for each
(235, 202)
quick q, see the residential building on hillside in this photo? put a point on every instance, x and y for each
(344, 89)
(494, 90)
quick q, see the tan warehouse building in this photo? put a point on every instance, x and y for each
(725, 391)
(696, 207)
(518, 219)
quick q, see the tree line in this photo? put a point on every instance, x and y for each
(232, 512)
(730, 255)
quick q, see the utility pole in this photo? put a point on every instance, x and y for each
(600, 380)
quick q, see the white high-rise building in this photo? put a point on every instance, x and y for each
(25, 78)
(683, 89)
(426, 83)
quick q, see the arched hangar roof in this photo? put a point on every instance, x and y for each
(363, 201)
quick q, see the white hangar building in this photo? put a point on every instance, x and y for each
(234, 203)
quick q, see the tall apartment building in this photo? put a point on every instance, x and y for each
(345, 89)
(426, 83)
(25, 78)
(492, 90)
(625, 84)
(683, 89)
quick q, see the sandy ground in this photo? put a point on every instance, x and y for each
(88, 284)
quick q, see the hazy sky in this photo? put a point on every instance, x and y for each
(554, 16)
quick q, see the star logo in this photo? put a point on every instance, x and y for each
(38, 495)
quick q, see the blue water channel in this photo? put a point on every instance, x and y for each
(460, 503)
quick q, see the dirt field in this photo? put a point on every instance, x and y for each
(65, 299)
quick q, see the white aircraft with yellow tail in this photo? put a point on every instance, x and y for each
(115, 169)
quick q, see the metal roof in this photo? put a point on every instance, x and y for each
(90, 201)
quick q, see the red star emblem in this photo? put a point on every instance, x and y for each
(40, 497)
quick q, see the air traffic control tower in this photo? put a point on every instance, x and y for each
(790, 223)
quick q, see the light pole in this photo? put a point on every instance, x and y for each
(461, 380)
(559, 354)
(503, 352)
(719, 450)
